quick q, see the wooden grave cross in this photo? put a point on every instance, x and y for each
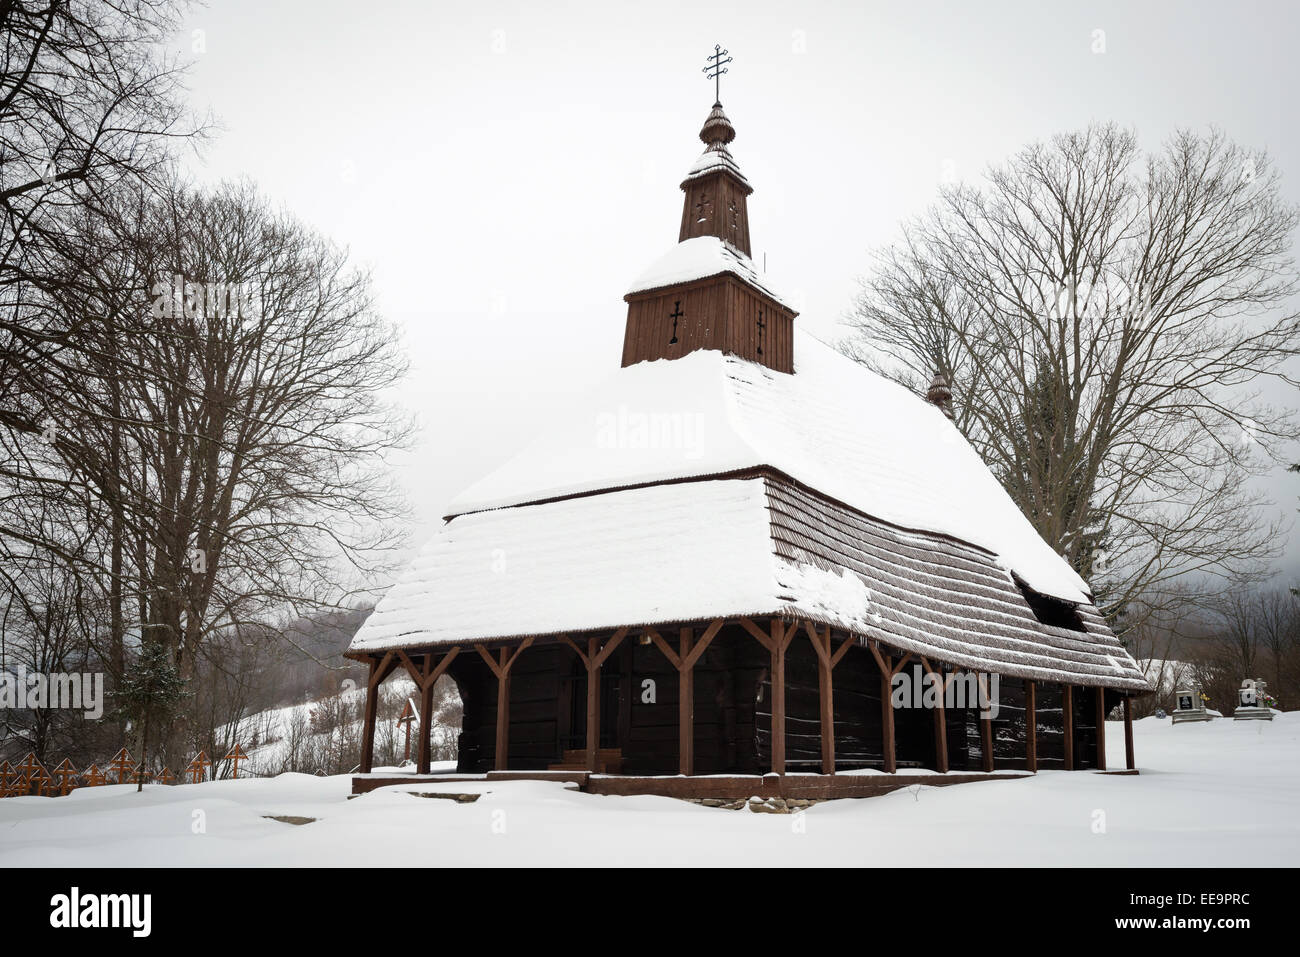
(28, 774)
(7, 774)
(41, 778)
(122, 765)
(66, 774)
(198, 767)
(166, 777)
(404, 720)
(94, 777)
(29, 765)
(13, 782)
(18, 784)
(234, 757)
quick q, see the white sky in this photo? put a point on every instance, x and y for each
(506, 169)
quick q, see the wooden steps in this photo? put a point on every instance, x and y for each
(608, 761)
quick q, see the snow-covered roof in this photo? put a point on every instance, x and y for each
(726, 548)
(833, 426)
(700, 258)
(712, 160)
(582, 563)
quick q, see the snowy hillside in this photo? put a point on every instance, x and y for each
(1210, 794)
(325, 735)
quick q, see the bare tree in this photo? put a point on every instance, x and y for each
(1105, 318)
(223, 431)
(87, 102)
(1258, 629)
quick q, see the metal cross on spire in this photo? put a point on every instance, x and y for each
(717, 66)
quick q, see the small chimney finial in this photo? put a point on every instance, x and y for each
(940, 394)
(717, 66)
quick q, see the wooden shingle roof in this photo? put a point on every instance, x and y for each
(725, 548)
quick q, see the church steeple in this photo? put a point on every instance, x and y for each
(706, 293)
(716, 190)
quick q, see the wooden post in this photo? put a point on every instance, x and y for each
(1129, 761)
(685, 705)
(593, 703)
(424, 750)
(986, 742)
(826, 662)
(368, 728)
(1031, 726)
(689, 651)
(986, 726)
(379, 670)
(1101, 729)
(592, 659)
(1067, 708)
(426, 678)
(775, 643)
(502, 754)
(779, 642)
(825, 695)
(887, 671)
(940, 719)
(501, 668)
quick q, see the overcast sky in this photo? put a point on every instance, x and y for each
(506, 169)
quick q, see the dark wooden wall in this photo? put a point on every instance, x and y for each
(733, 717)
(716, 205)
(1009, 729)
(718, 313)
(1050, 720)
(726, 678)
(535, 681)
(1085, 728)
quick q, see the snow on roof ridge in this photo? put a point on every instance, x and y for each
(701, 257)
(833, 426)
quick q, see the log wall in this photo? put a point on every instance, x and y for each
(733, 712)
(720, 312)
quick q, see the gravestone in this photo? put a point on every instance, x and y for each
(1189, 705)
(1252, 702)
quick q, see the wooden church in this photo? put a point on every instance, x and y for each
(725, 558)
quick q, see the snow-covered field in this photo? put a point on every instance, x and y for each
(1209, 794)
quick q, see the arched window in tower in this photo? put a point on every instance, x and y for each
(703, 208)
(733, 219)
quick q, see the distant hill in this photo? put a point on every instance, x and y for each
(312, 664)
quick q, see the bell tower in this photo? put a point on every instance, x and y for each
(706, 292)
(716, 190)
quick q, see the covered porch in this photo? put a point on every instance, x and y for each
(741, 698)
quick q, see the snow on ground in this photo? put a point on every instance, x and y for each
(1212, 794)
